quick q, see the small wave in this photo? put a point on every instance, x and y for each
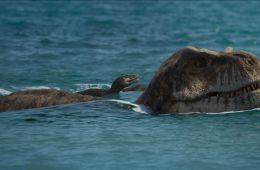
(218, 113)
(4, 92)
(239, 111)
(39, 87)
(15, 88)
(91, 86)
(135, 107)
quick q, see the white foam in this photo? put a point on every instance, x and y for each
(39, 87)
(4, 92)
(91, 86)
(239, 111)
(218, 113)
(135, 107)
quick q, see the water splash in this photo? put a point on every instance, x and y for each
(134, 107)
(85, 86)
(4, 92)
(39, 87)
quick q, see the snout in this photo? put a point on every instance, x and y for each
(131, 78)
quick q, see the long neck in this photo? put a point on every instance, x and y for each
(113, 90)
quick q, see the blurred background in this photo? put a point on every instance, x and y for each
(71, 44)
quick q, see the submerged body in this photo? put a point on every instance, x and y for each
(48, 97)
(40, 98)
(200, 80)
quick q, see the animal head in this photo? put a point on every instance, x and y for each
(124, 81)
(194, 74)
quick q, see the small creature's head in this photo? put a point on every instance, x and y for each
(124, 81)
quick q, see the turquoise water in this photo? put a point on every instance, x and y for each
(73, 45)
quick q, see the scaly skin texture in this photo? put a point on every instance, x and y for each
(199, 80)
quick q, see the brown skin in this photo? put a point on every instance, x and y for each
(39, 98)
(199, 80)
(48, 97)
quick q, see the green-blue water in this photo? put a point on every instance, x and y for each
(73, 45)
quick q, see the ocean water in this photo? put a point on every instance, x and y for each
(74, 45)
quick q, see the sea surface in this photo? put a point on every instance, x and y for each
(75, 45)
